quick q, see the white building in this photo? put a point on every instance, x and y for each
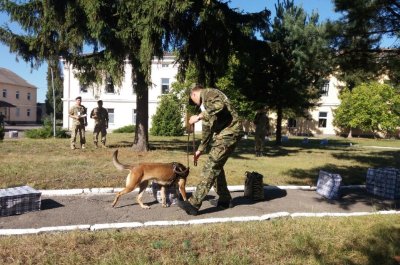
(320, 119)
(119, 101)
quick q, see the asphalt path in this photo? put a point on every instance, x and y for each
(96, 208)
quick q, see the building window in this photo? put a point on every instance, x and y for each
(83, 87)
(110, 115)
(109, 85)
(28, 96)
(17, 94)
(164, 85)
(292, 123)
(325, 88)
(164, 65)
(28, 112)
(4, 93)
(322, 118)
(134, 116)
(17, 112)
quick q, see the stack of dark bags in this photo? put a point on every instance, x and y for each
(19, 200)
(328, 185)
(384, 182)
(254, 186)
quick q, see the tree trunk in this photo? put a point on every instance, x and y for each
(141, 139)
(278, 140)
(350, 135)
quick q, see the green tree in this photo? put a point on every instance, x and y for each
(286, 70)
(357, 37)
(371, 107)
(202, 31)
(168, 118)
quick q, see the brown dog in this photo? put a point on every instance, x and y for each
(139, 175)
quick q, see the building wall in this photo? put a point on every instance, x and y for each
(314, 124)
(123, 101)
(24, 98)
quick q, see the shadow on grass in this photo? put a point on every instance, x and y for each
(373, 158)
(351, 175)
(382, 245)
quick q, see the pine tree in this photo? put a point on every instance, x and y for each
(168, 119)
(286, 69)
(137, 30)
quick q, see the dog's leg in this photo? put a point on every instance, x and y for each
(131, 183)
(182, 188)
(142, 188)
(163, 191)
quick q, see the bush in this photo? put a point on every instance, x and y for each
(168, 118)
(46, 131)
(125, 129)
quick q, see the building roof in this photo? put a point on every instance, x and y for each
(4, 104)
(11, 78)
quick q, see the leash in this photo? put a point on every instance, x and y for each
(193, 146)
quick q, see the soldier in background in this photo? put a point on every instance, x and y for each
(100, 116)
(262, 125)
(221, 132)
(79, 121)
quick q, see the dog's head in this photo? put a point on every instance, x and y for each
(180, 170)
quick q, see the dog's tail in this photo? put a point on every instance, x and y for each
(117, 164)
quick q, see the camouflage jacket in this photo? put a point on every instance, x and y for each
(78, 111)
(219, 117)
(100, 116)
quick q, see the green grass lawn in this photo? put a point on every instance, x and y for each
(365, 240)
(50, 164)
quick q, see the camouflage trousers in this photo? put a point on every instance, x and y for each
(99, 129)
(213, 174)
(78, 129)
(259, 139)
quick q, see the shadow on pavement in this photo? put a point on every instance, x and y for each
(48, 204)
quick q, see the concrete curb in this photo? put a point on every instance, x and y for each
(266, 217)
(96, 191)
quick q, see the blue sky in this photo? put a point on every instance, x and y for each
(37, 77)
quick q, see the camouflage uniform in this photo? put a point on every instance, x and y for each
(78, 125)
(100, 116)
(261, 123)
(221, 131)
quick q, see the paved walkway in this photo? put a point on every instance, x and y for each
(93, 211)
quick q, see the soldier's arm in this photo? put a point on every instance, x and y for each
(213, 103)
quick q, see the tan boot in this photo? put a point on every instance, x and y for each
(83, 146)
(73, 147)
(96, 145)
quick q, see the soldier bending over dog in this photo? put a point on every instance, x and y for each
(222, 131)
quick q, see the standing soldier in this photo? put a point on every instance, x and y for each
(79, 121)
(100, 116)
(221, 131)
(261, 123)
